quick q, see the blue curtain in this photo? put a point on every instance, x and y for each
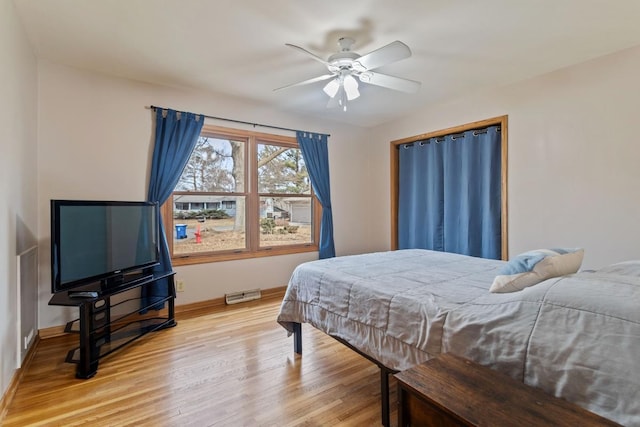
(175, 138)
(316, 157)
(449, 196)
(421, 190)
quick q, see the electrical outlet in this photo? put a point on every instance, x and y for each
(180, 285)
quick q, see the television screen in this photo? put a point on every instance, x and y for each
(97, 240)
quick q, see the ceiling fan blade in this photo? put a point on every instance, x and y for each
(385, 55)
(391, 82)
(305, 51)
(305, 82)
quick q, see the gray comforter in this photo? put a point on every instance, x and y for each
(576, 337)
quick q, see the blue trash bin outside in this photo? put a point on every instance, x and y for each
(181, 231)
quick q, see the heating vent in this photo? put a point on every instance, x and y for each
(27, 301)
(243, 296)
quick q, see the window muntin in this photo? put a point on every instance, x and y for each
(242, 194)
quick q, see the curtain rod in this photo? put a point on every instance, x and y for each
(453, 136)
(154, 107)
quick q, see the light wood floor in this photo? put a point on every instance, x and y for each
(234, 366)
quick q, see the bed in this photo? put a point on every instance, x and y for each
(575, 336)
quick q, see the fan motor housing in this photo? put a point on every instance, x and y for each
(342, 60)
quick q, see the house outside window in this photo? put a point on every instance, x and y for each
(242, 194)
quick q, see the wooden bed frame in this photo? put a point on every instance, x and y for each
(384, 371)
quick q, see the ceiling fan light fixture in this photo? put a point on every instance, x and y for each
(331, 88)
(351, 87)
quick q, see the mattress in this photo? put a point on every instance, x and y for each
(390, 305)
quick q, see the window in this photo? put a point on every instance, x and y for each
(242, 194)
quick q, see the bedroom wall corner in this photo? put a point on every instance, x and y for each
(18, 174)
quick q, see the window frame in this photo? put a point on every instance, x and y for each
(252, 200)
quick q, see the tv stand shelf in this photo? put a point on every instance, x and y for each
(100, 334)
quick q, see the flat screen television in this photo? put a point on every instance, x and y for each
(101, 241)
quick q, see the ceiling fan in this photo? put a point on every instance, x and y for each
(347, 67)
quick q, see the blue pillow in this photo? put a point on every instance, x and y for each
(530, 268)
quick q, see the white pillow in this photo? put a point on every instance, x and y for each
(533, 267)
(625, 268)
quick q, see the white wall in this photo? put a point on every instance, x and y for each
(573, 170)
(18, 169)
(95, 140)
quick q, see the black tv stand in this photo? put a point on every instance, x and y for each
(100, 332)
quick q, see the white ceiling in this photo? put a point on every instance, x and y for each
(237, 47)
